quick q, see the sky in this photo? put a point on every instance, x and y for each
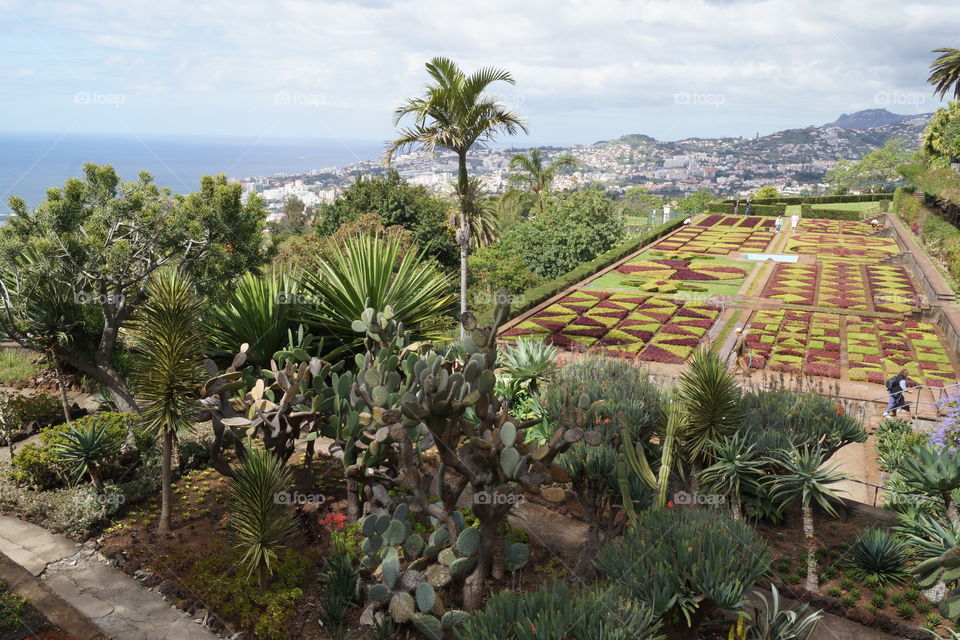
(585, 70)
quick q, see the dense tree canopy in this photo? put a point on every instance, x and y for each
(695, 202)
(766, 191)
(83, 257)
(872, 171)
(574, 228)
(397, 203)
(941, 140)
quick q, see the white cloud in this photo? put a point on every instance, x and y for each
(779, 62)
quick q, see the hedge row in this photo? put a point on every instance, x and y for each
(863, 197)
(725, 206)
(807, 211)
(532, 297)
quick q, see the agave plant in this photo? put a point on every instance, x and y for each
(773, 622)
(261, 521)
(529, 362)
(365, 272)
(876, 552)
(259, 312)
(934, 471)
(927, 536)
(85, 450)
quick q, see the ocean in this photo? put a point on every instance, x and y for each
(32, 163)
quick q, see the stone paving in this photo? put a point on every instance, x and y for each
(122, 607)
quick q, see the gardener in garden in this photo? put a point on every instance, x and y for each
(896, 387)
(742, 352)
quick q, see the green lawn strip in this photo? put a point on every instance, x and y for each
(16, 365)
(849, 206)
(883, 315)
(614, 279)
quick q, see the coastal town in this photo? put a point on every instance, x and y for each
(794, 161)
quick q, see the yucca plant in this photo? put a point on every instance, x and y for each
(804, 481)
(261, 521)
(936, 472)
(259, 312)
(773, 622)
(85, 450)
(710, 395)
(169, 336)
(736, 464)
(365, 272)
(529, 361)
(877, 553)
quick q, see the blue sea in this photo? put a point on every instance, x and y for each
(32, 163)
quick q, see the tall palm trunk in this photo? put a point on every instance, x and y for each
(813, 582)
(464, 235)
(64, 403)
(166, 477)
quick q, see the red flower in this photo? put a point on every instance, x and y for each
(670, 505)
(334, 520)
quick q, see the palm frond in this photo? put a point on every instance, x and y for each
(945, 72)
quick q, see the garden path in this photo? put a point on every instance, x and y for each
(122, 607)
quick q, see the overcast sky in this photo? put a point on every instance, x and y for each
(585, 71)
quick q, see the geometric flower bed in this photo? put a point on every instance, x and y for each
(715, 240)
(741, 222)
(851, 227)
(878, 350)
(622, 324)
(795, 342)
(681, 268)
(851, 248)
(843, 285)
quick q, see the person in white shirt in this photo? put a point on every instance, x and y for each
(794, 221)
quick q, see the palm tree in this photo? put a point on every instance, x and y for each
(945, 72)
(536, 177)
(710, 395)
(455, 113)
(736, 464)
(169, 338)
(805, 481)
(481, 213)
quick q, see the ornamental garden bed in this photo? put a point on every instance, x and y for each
(879, 350)
(848, 227)
(670, 272)
(715, 240)
(818, 344)
(740, 222)
(843, 285)
(838, 246)
(798, 342)
(643, 326)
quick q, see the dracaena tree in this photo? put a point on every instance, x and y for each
(455, 113)
(96, 242)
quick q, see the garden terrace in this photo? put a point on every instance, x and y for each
(665, 272)
(842, 285)
(852, 248)
(619, 324)
(715, 240)
(850, 227)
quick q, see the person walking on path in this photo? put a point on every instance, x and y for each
(794, 221)
(896, 387)
(778, 223)
(744, 359)
(736, 208)
(746, 211)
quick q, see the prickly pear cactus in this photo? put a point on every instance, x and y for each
(405, 571)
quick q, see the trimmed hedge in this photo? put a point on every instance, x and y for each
(532, 297)
(863, 197)
(828, 214)
(727, 207)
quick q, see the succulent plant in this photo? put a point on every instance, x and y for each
(405, 573)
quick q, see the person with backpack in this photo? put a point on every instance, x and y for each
(896, 387)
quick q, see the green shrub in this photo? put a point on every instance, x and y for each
(895, 440)
(678, 561)
(849, 600)
(831, 214)
(555, 610)
(877, 600)
(834, 592)
(231, 595)
(532, 297)
(905, 611)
